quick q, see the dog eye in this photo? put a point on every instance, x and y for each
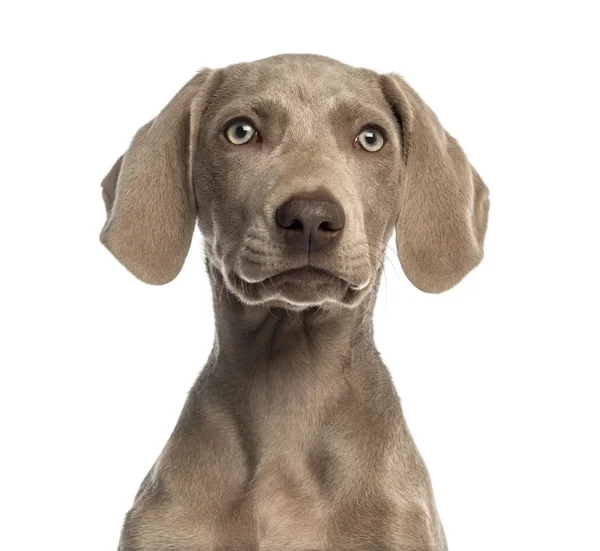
(240, 132)
(370, 139)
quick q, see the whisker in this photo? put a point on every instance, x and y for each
(382, 251)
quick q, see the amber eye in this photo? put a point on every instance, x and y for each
(240, 132)
(370, 139)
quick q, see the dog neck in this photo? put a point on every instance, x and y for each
(287, 360)
(276, 380)
(260, 335)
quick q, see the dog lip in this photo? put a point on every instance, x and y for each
(307, 274)
(302, 285)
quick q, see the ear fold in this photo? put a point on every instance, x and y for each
(148, 193)
(444, 207)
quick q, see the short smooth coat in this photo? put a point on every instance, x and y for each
(292, 438)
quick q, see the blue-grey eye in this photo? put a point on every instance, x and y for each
(370, 139)
(240, 132)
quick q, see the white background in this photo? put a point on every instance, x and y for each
(498, 377)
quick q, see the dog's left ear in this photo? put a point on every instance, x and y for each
(443, 212)
(149, 196)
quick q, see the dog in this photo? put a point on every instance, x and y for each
(297, 169)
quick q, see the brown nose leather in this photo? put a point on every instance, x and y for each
(310, 224)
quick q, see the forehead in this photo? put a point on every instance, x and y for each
(299, 83)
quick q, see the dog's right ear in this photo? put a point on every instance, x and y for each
(149, 195)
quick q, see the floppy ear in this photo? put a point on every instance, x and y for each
(149, 194)
(442, 216)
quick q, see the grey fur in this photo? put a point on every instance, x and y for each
(292, 438)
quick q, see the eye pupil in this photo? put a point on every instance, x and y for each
(241, 132)
(370, 140)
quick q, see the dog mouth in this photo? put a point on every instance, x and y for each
(307, 275)
(297, 287)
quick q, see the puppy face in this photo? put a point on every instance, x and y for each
(297, 169)
(294, 202)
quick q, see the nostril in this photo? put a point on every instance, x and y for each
(328, 226)
(287, 218)
(295, 225)
(333, 219)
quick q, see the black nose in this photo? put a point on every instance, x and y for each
(310, 224)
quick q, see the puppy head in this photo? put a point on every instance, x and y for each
(297, 169)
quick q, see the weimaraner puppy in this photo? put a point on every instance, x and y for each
(297, 169)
